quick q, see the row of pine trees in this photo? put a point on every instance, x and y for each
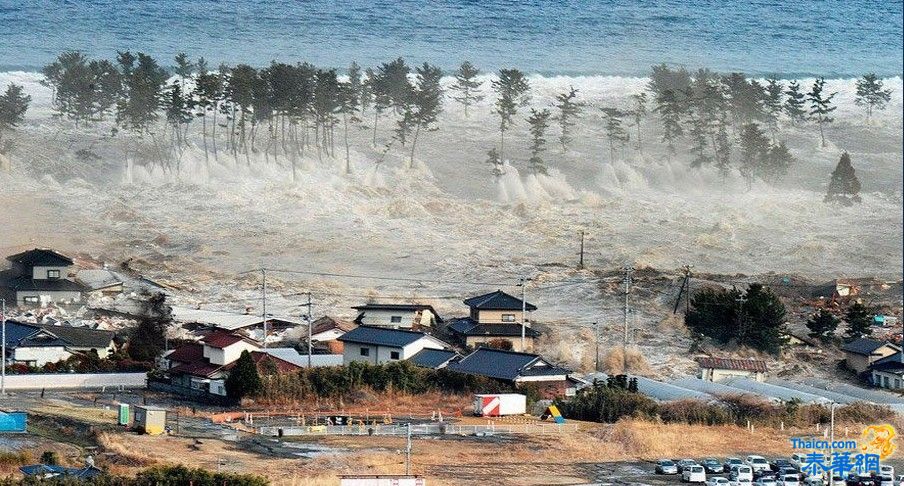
(728, 121)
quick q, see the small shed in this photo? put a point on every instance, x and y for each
(13, 421)
(150, 420)
(718, 369)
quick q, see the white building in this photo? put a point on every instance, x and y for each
(888, 372)
(39, 277)
(397, 316)
(718, 369)
(37, 345)
(377, 345)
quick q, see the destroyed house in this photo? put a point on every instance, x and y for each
(717, 369)
(39, 277)
(397, 316)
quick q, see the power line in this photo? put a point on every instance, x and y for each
(378, 277)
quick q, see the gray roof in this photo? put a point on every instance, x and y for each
(31, 335)
(41, 257)
(292, 355)
(432, 358)
(497, 300)
(98, 278)
(468, 327)
(381, 336)
(81, 337)
(505, 365)
(863, 346)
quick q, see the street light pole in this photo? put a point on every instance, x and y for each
(832, 443)
(3, 365)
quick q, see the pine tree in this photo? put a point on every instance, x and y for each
(778, 161)
(207, 94)
(754, 152)
(244, 379)
(670, 110)
(723, 146)
(355, 87)
(699, 136)
(349, 105)
(569, 111)
(859, 321)
(427, 102)
(639, 112)
(794, 103)
(844, 187)
(820, 106)
(467, 86)
(538, 123)
(325, 106)
(772, 104)
(13, 105)
(178, 109)
(871, 94)
(184, 68)
(822, 325)
(494, 160)
(512, 89)
(615, 131)
(745, 99)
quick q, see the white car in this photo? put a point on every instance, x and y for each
(765, 481)
(886, 469)
(741, 473)
(788, 480)
(739, 482)
(717, 481)
(884, 480)
(757, 463)
(693, 474)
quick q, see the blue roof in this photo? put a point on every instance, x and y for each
(17, 331)
(381, 336)
(497, 300)
(505, 365)
(432, 358)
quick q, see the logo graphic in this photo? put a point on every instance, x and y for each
(879, 439)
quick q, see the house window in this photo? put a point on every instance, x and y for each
(885, 381)
(53, 274)
(365, 351)
(897, 383)
(32, 299)
(508, 317)
(395, 319)
(393, 355)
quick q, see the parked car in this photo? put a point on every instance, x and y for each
(741, 472)
(778, 464)
(666, 466)
(788, 471)
(682, 464)
(739, 482)
(884, 480)
(788, 480)
(765, 481)
(716, 481)
(886, 469)
(757, 463)
(854, 479)
(732, 462)
(813, 481)
(693, 474)
(712, 466)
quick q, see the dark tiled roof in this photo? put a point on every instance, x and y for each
(497, 300)
(44, 469)
(504, 365)
(401, 307)
(200, 368)
(327, 323)
(468, 327)
(381, 336)
(897, 357)
(734, 364)
(187, 353)
(81, 337)
(10, 280)
(432, 358)
(17, 331)
(862, 346)
(41, 257)
(888, 366)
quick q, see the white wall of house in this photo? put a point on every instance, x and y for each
(884, 379)
(496, 316)
(40, 355)
(224, 356)
(102, 353)
(860, 363)
(384, 354)
(44, 297)
(40, 273)
(717, 374)
(397, 318)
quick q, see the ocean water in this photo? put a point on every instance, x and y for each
(832, 38)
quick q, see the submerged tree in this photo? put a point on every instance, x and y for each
(754, 151)
(820, 106)
(844, 187)
(466, 86)
(494, 160)
(426, 103)
(569, 110)
(83, 90)
(13, 105)
(615, 131)
(772, 104)
(638, 113)
(794, 103)
(538, 123)
(871, 93)
(670, 110)
(512, 90)
(349, 105)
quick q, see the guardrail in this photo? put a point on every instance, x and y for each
(419, 429)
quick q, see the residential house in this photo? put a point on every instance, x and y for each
(378, 345)
(434, 358)
(301, 360)
(251, 324)
(100, 282)
(860, 353)
(47, 471)
(518, 369)
(40, 277)
(326, 331)
(495, 316)
(37, 345)
(718, 369)
(888, 372)
(397, 316)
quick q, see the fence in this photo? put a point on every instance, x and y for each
(75, 381)
(420, 429)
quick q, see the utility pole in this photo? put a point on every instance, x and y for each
(831, 443)
(687, 289)
(742, 317)
(581, 262)
(310, 323)
(264, 300)
(523, 284)
(3, 365)
(596, 331)
(628, 270)
(408, 451)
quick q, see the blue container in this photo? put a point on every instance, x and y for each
(15, 421)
